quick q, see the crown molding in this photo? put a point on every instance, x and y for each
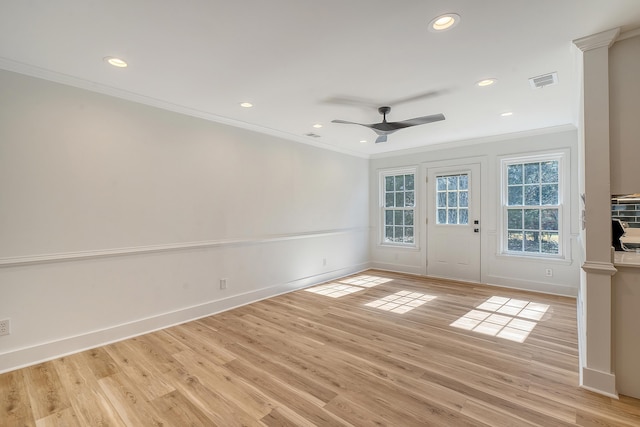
(596, 41)
(65, 79)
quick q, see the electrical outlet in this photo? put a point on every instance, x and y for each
(548, 272)
(5, 327)
(324, 262)
(223, 283)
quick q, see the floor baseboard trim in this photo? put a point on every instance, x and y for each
(598, 382)
(32, 355)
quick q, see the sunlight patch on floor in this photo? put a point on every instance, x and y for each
(348, 285)
(401, 302)
(506, 318)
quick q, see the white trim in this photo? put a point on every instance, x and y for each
(382, 174)
(450, 145)
(42, 73)
(564, 203)
(598, 382)
(27, 356)
(595, 41)
(84, 255)
(597, 267)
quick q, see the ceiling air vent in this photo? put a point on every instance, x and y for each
(312, 135)
(543, 80)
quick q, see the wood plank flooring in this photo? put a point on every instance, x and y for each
(374, 349)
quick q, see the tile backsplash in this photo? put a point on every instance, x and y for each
(627, 211)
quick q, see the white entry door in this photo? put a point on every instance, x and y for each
(453, 222)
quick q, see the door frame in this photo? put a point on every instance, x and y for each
(485, 225)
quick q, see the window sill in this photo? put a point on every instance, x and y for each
(536, 258)
(396, 246)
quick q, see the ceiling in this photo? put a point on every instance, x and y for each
(295, 59)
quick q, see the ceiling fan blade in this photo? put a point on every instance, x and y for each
(351, 100)
(344, 122)
(420, 120)
(381, 138)
(423, 95)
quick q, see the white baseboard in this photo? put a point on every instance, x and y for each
(43, 352)
(398, 268)
(598, 382)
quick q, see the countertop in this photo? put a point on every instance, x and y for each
(626, 259)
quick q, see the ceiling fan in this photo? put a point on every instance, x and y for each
(385, 128)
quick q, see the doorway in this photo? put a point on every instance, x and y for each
(453, 222)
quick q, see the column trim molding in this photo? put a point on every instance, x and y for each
(595, 41)
(598, 267)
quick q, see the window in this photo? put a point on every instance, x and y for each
(398, 202)
(452, 199)
(532, 205)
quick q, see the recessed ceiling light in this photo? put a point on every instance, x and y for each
(507, 114)
(363, 141)
(246, 105)
(486, 82)
(116, 62)
(317, 126)
(444, 22)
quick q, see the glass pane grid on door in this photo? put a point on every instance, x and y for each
(452, 199)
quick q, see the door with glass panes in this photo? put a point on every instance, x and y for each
(453, 222)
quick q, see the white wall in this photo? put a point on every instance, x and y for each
(118, 218)
(496, 269)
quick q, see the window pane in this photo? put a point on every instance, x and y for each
(408, 217)
(514, 174)
(409, 199)
(442, 183)
(388, 200)
(532, 195)
(452, 217)
(408, 234)
(399, 200)
(531, 241)
(398, 234)
(453, 199)
(464, 199)
(514, 241)
(398, 217)
(399, 182)
(514, 219)
(442, 200)
(464, 182)
(550, 194)
(532, 219)
(515, 196)
(549, 219)
(532, 173)
(549, 171)
(388, 183)
(409, 182)
(388, 217)
(442, 216)
(388, 234)
(452, 182)
(463, 216)
(549, 243)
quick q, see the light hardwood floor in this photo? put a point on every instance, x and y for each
(326, 357)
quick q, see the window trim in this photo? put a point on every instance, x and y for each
(563, 206)
(382, 174)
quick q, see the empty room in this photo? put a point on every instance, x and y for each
(329, 213)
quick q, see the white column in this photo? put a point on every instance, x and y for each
(596, 372)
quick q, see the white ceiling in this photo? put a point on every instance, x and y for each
(291, 57)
